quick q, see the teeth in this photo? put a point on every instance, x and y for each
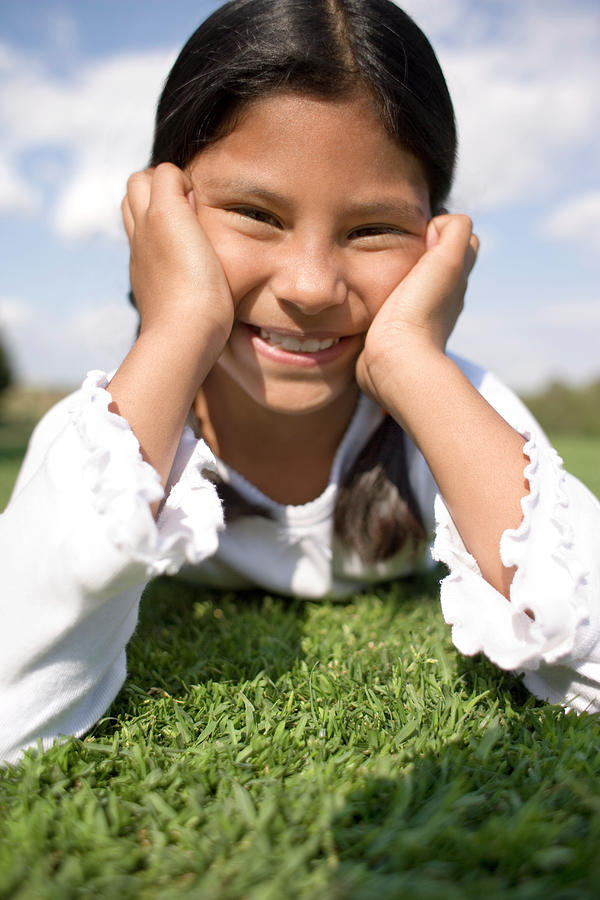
(294, 344)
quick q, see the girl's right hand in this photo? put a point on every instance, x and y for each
(186, 312)
(176, 277)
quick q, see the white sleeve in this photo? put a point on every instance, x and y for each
(556, 550)
(78, 543)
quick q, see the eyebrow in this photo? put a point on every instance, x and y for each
(239, 185)
(398, 207)
(387, 208)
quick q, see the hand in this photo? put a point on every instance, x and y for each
(419, 315)
(185, 307)
(176, 277)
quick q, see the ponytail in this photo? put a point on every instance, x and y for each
(376, 514)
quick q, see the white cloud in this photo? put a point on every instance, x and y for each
(102, 117)
(437, 18)
(509, 140)
(60, 352)
(100, 334)
(13, 313)
(576, 220)
(523, 77)
(558, 341)
(90, 202)
(62, 31)
(575, 316)
(16, 196)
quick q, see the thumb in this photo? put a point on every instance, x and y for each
(432, 235)
(453, 234)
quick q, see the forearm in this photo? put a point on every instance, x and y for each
(185, 307)
(77, 546)
(475, 457)
(155, 386)
(70, 582)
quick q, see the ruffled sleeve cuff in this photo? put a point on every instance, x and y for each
(549, 617)
(121, 486)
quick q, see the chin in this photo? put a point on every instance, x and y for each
(290, 402)
(288, 407)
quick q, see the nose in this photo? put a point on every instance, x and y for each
(310, 277)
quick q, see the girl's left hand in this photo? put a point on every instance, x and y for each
(475, 457)
(419, 315)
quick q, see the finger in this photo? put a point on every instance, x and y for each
(138, 192)
(471, 254)
(192, 201)
(128, 220)
(455, 240)
(191, 193)
(447, 241)
(432, 235)
(170, 183)
(453, 226)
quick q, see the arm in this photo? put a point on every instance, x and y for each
(78, 540)
(475, 457)
(185, 308)
(509, 512)
(550, 630)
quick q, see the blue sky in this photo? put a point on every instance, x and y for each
(78, 85)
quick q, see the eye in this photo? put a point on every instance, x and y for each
(256, 215)
(367, 231)
(377, 237)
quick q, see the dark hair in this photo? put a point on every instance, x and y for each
(376, 513)
(329, 49)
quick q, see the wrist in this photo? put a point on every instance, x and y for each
(203, 337)
(400, 374)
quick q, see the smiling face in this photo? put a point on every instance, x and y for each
(316, 215)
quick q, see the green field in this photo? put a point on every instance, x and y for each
(20, 409)
(23, 408)
(265, 749)
(581, 455)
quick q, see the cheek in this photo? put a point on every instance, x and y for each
(380, 277)
(242, 267)
(241, 262)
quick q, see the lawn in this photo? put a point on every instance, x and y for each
(582, 457)
(265, 749)
(20, 409)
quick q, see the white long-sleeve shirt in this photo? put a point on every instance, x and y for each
(78, 544)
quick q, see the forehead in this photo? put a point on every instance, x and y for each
(305, 144)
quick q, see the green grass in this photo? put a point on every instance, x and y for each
(20, 409)
(582, 457)
(264, 749)
(272, 749)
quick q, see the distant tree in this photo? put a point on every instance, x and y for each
(568, 410)
(6, 370)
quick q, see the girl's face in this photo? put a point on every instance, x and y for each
(316, 215)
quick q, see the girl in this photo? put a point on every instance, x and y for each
(297, 280)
